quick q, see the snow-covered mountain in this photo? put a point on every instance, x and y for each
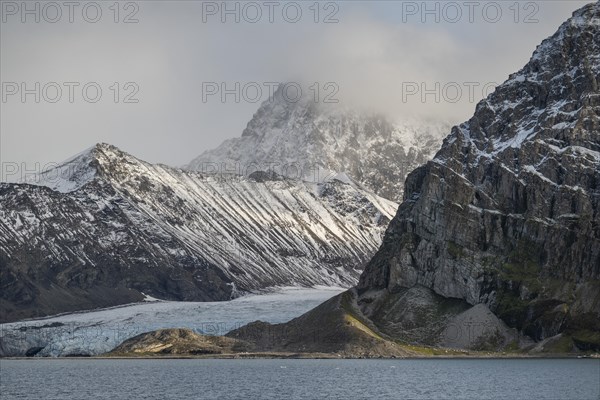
(316, 140)
(104, 227)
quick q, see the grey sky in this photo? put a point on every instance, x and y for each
(375, 54)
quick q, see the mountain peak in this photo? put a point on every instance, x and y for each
(310, 139)
(549, 103)
(105, 147)
(586, 15)
(580, 26)
(80, 169)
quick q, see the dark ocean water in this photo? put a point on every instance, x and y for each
(300, 379)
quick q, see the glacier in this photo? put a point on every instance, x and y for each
(95, 332)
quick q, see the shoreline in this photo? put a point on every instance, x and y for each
(315, 356)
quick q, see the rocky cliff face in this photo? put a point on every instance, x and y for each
(315, 140)
(105, 227)
(507, 213)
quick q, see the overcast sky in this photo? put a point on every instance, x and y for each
(374, 54)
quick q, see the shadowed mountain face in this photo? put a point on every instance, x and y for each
(105, 227)
(507, 213)
(315, 140)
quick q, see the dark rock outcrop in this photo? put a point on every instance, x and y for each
(174, 342)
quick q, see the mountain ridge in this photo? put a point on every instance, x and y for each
(107, 223)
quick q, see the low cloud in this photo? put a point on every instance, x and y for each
(376, 56)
